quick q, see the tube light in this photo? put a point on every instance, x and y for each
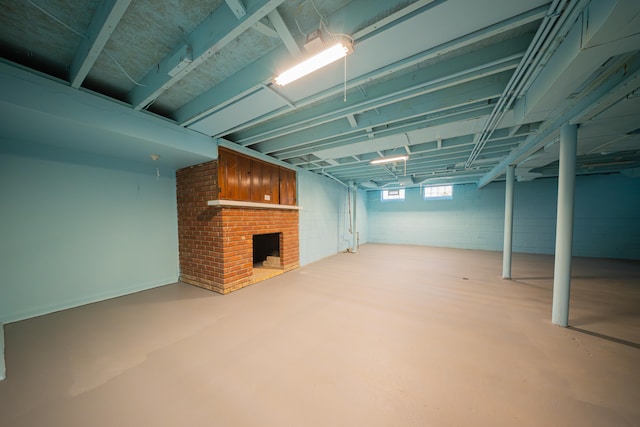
(388, 160)
(314, 63)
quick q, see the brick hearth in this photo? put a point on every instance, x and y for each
(215, 242)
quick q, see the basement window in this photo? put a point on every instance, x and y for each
(386, 195)
(438, 192)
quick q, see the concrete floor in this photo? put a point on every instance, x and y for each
(390, 336)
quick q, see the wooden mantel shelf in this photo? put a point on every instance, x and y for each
(239, 204)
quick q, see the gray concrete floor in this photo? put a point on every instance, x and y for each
(390, 336)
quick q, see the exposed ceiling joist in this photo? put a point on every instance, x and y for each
(215, 32)
(424, 130)
(483, 62)
(284, 33)
(103, 23)
(266, 29)
(403, 13)
(237, 8)
(465, 93)
(397, 67)
(435, 96)
(627, 76)
(348, 19)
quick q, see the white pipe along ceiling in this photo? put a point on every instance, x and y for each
(464, 88)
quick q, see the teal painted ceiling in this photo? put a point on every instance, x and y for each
(465, 88)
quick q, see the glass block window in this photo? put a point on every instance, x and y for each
(386, 195)
(438, 192)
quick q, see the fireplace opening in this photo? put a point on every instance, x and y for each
(266, 250)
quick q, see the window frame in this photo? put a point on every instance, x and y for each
(443, 196)
(401, 195)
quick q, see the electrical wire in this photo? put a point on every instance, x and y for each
(123, 70)
(344, 90)
(323, 24)
(313, 3)
(56, 19)
(73, 30)
(336, 35)
(295, 18)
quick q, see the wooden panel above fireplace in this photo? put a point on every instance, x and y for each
(244, 178)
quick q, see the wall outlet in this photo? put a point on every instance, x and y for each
(267, 197)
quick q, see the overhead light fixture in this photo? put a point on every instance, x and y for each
(388, 160)
(317, 61)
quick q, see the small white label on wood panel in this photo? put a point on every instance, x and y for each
(267, 197)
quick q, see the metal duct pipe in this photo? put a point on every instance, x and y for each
(572, 12)
(528, 68)
(352, 212)
(500, 108)
(354, 247)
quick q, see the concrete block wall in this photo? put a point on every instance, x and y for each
(607, 217)
(471, 220)
(324, 218)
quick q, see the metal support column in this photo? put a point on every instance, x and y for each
(508, 223)
(354, 248)
(564, 225)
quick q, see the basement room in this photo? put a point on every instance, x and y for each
(320, 213)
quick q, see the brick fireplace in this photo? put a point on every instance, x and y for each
(216, 236)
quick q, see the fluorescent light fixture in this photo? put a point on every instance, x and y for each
(388, 160)
(314, 63)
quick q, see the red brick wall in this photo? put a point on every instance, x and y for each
(215, 243)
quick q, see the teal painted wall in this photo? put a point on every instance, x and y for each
(324, 218)
(77, 228)
(607, 217)
(471, 220)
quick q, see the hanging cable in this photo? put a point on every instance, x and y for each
(56, 19)
(345, 80)
(295, 18)
(73, 30)
(125, 73)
